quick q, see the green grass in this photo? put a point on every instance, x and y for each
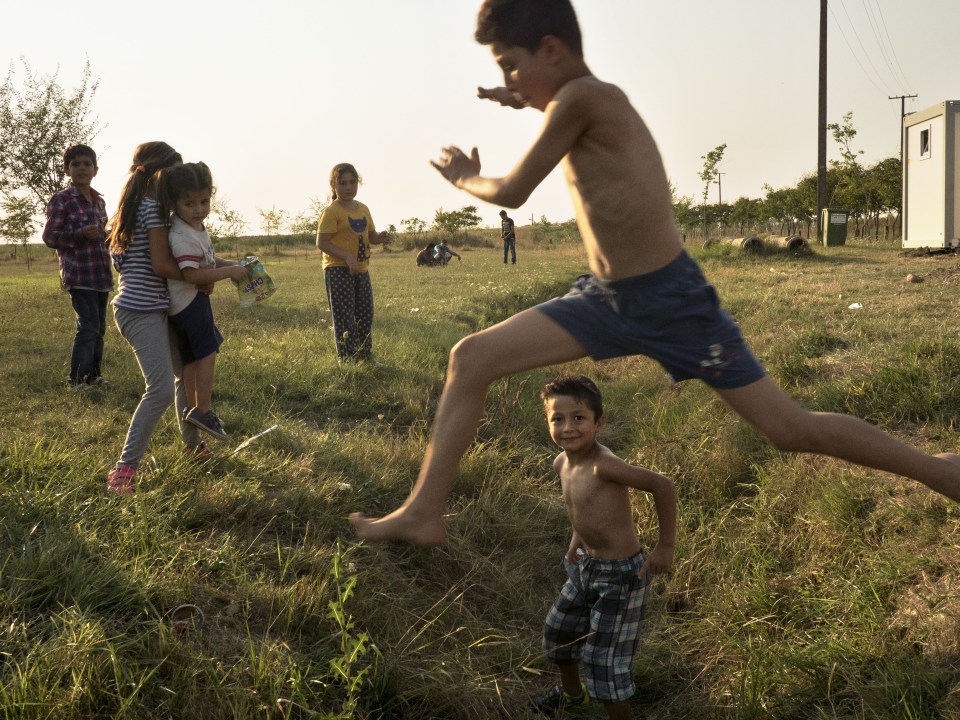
(803, 587)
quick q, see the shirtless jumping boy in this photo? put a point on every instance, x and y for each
(644, 296)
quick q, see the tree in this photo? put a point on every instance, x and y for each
(745, 215)
(843, 135)
(38, 122)
(456, 220)
(686, 215)
(272, 220)
(886, 177)
(226, 222)
(305, 223)
(709, 172)
(415, 226)
(18, 225)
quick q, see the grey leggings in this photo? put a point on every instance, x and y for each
(159, 360)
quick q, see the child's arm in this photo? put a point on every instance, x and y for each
(502, 96)
(613, 469)
(57, 232)
(576, 544)
(224, 270)
(566, 119)
(160, 256)
(324, 244)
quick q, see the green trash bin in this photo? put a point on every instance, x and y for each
(834, 224)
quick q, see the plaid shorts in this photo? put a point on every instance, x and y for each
(596, 621)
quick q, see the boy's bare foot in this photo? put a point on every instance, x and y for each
(397, 526)
(952, 490)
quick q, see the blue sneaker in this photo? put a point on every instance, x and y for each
(556, 700)
(208, 422)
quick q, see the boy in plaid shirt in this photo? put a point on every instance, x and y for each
(596, 618)
(76, 218)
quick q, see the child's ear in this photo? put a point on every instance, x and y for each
(601, 421)
(552, 47)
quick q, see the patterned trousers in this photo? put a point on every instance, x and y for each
(351, 303)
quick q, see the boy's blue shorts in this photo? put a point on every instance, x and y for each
(672, 315)
(197, 334)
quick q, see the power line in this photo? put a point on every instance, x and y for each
(875, 29)
(906, 83)
(853, 53)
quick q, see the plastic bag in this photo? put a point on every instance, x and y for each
(258, 285)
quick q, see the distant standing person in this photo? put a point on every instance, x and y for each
(344, 234)
(185, 192)
(596, 619)
(76, 218)
(509, 236)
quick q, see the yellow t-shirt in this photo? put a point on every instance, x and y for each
(350, 230)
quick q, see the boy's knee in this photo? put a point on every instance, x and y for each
(468, 356)
(793, 434)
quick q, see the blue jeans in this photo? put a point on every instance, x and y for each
(510, 246)
(91, 309)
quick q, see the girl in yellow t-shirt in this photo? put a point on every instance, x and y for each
(344, 234)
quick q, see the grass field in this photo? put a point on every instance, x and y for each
(803, 587)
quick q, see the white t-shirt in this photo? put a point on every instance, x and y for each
(191, 249)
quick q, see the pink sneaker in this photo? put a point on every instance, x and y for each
(120, 479)
(198, 453)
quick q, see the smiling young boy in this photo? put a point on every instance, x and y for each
(644, 295)
(596, 618)
(76, 218)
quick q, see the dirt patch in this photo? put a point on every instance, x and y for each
(948, 275)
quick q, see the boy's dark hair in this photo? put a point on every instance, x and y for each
(524, 23)
(75, 151)
(579, 387)
(175, 182)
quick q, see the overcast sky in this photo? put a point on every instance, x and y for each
(272, 94)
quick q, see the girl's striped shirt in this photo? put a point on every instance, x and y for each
(140, 288)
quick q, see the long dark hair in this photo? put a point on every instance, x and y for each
(175, 182)
(148, 158)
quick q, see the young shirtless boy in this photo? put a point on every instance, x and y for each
(596, 619)
(645, 295)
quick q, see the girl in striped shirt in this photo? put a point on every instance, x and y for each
(141, 256)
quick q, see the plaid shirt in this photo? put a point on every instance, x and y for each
(83, 263)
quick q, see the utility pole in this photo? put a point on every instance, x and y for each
(822, 124)
(903, 114)
(720, 204)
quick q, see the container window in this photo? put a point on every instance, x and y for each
(925, 143)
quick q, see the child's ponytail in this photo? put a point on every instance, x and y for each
(148, 159)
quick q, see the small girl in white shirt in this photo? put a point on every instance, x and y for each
(184, 193)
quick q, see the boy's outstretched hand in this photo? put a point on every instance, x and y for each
(455, 165)
(502, 96)
(658, 561)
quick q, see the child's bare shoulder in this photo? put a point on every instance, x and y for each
(589, 91)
